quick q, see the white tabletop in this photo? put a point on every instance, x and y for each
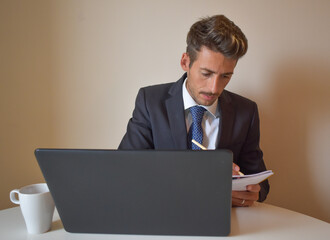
(262, 221)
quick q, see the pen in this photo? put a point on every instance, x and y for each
(204, 148)
(198, 144)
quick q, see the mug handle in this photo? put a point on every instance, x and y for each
(13, 196)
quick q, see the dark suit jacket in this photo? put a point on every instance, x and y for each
(158, 122)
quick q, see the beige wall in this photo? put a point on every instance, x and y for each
(70, 71)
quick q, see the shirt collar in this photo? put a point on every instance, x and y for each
(189, 102)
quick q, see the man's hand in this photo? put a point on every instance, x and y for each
(235, 169)
(244, 198)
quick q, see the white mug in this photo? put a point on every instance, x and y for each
(37, 206)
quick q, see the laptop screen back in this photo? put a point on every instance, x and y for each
(140, 192)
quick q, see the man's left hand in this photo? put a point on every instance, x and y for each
(245, 198)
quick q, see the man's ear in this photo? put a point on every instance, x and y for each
(185, 61)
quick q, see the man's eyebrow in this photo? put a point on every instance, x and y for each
(228, 73)
(209, 70)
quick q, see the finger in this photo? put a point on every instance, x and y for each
(251, 196)
(235, 169)
(253, 188)
(237, 202)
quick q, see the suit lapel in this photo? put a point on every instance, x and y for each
(226, 120)
(176, 117)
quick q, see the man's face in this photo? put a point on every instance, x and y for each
(208, 76)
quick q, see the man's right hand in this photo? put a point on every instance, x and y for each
(235, 169)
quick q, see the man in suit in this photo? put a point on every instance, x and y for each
(163, 115)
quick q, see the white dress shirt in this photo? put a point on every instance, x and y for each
(210, 122)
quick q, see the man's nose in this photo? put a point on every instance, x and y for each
(215, 85)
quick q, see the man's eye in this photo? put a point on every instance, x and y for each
(206, 74)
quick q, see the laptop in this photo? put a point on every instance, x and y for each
(148, 192)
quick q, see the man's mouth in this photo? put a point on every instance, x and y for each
(209, 96)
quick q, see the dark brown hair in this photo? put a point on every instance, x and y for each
(219, 34)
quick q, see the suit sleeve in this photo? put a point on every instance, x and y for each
(250, 158)
(139, 132)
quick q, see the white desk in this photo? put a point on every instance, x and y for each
(262, 221)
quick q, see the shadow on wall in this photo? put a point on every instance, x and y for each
(296, 112)
(26, 76)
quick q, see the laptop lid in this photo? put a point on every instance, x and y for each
(147, 192)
